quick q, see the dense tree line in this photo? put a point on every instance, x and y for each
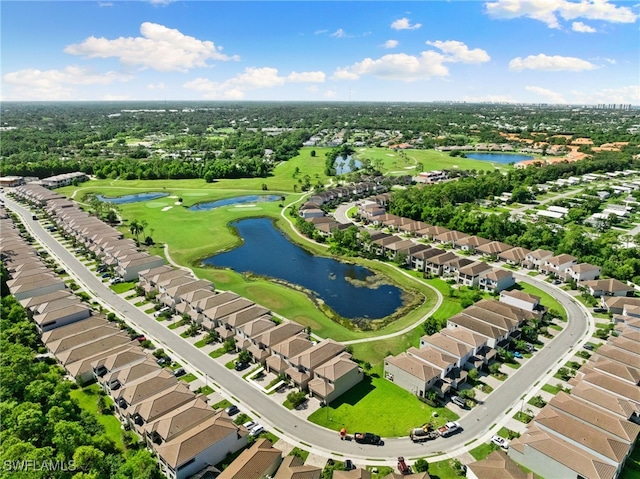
(42, 423)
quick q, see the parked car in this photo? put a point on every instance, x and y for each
(458, 401)
(179, 372)
(500, 441)
(257, 430)
(105, 275)
(600, 310)
(116, 281)
(348, 465)
(367, 438)
(164, 361)
(232, 410)
(102, 268)
(164, 309)
(140, 337)
(556, 281)
(250, 425)
(517, 354)
(240, 366)
(114, 384)
(588, 346)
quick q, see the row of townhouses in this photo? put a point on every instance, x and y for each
(590, 432)
(325, 369)
(184, 432)
(469, 340)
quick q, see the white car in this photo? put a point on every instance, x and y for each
(257, 430)
(250, 425)
(160, 311)
(500, 441)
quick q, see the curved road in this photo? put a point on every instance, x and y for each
(301, 432)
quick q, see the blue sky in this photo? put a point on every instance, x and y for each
(531, 51)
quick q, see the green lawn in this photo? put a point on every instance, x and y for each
(122, 287)
(221, 405)
(483, 450)
(188, 378)
(381, 407)
(546, 299)
(217, 353)
(444, 470)
(87, 399)
(550, 388)
(206, 390)
(631, 469)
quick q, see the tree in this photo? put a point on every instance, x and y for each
(421, 465)
(296, 398)
(244, 356)
(87, 458)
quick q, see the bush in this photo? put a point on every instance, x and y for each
(421, 466)
(296, 398)
(146, 344)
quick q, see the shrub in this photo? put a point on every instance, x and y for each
(296, 398)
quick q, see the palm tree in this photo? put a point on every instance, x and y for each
(136, 229)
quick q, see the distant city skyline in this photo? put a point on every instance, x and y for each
(574, 52)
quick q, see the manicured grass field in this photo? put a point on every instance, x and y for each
(87, 399)
(546, 299)
(483, 450)
(188, 378)
(122, 287)
(381, 407)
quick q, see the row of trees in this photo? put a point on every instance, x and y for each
(42, 423)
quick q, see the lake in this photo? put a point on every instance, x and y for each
(266, 251)
(119, 200)
(343, 166)
(235, 201)
(498, 157)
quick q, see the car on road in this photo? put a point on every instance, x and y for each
(232, 410)
(500, 441)
(257, 430)
(367, 438)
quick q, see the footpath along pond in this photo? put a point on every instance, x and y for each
(343, 287)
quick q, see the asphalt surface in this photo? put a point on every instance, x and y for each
(299, 431)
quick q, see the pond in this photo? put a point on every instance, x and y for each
(343, 166)
(119, 200)
(268, 252)
(498, 157)
(238, 200)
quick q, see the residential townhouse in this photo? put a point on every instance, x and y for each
(431, 232)
(334, 377)
(450, 237)
(413, 227)
(496, 280)
(303, 365)
(493, 248)
(215, 316)
(556, 265)
(409, 251)
(47, 283)
(470, 275)
(203, 444)
(172, 296)
(608, 287)
(536, 259)
(496, 465)
(471, 243)
(293, 467)
(261, 345)
(128, 269)
(451, 345)
(520, 299)
(352, 474)
(420, 258)
(451, 267)
(62, 316)
(393, 250)
(157, 405)
(281, 353)
(581, 272)
(496, 335)
(260, 461)
(514, 256)
(84, 337)
(617, 304)
(435, 265)
(410, 373)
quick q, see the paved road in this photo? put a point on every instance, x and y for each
(294, 429)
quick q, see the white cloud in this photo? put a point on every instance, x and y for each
(250, 79)
(160, 48)
(548, 95)
(547, 11)
(459, 52)
(306, 77)
(625, 95)
(405, 67)
(550, 63)
(405, 24)
(582, 28)
(105, 4)
(340, 33)
(390, 44)
(320, 32)
(156, 86)
(32, 83)
(330, 94)
(398, 66)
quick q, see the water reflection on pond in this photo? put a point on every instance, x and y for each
(266, 251)
(237, 200)
(119, 200)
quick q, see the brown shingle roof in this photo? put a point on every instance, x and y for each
(253, 462)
